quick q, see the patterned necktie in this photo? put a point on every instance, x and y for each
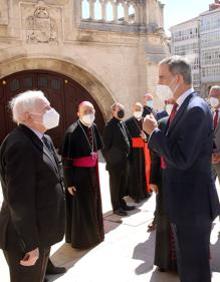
(216, 119)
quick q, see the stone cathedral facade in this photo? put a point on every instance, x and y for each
(73, 50)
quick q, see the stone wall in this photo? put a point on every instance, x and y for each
(112, 61)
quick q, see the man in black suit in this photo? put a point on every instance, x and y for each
(32, 214)
(116, 152)
(185, 148)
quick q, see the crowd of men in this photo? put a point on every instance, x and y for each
(174, 152)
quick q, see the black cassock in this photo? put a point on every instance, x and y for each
(84, 224)
(137, 177)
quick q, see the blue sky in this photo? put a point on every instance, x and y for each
(177, 11)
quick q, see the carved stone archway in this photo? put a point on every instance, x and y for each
(75, 85)
(95, 87)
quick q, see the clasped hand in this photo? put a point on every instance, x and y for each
(149, 124)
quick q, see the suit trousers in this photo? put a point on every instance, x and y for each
(118, 184)
(192, 242)
(19, 273)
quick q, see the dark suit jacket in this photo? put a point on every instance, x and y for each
(189, 189)
(157, 114)
(116, 143)
(32, 213)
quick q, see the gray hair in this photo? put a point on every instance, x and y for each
(179, 65)
(25, 102)
(115, 105)
(215, 87)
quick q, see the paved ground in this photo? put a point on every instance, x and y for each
(127, 253)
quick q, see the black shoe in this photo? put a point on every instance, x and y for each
(52, 269)
(46, 280)
(120, 212)
(56, 270)
(128, 208)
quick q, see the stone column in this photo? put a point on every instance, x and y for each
(91, 9)
(115, 11)
(103, 4)
(126, 12)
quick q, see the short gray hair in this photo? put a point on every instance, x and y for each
(115, 105)
(215, 87)
(179, 65)
(25, 102)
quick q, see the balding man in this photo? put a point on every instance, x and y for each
(139, 157)
(84, 225)
(116, 152)
(32, 214)
(214, 99)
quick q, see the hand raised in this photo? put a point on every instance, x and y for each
(149, 124)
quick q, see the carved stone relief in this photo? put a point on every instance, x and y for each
(41, 27)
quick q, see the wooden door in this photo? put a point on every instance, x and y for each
(63, 93)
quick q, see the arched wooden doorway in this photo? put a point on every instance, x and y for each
(63, 93)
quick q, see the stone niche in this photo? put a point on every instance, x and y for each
(41, 23)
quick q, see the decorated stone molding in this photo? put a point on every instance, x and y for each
(40, 26)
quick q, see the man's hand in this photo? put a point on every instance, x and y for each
(30, 258)
(149, 124)
(72, 190)
(154, 188)
(215, 158)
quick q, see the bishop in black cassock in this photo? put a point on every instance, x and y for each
(84, 222)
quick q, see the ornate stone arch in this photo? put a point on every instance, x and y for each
(86, 79)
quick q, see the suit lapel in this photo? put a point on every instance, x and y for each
(179, 113)
(39, 144)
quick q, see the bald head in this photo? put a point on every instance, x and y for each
(86, 113)
(148, 96)
(148, 100)
(137, 107)
(85, 108)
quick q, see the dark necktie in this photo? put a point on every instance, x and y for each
(216, 119)
(124, 133)
(48, 145)
(172, 114)
(163, 164)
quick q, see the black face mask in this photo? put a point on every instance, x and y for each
(121, 114)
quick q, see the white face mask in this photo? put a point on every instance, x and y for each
(138, 114)
(163, 92)
(214, 102)
(168, 108)
(88, 119)
(51, 119)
